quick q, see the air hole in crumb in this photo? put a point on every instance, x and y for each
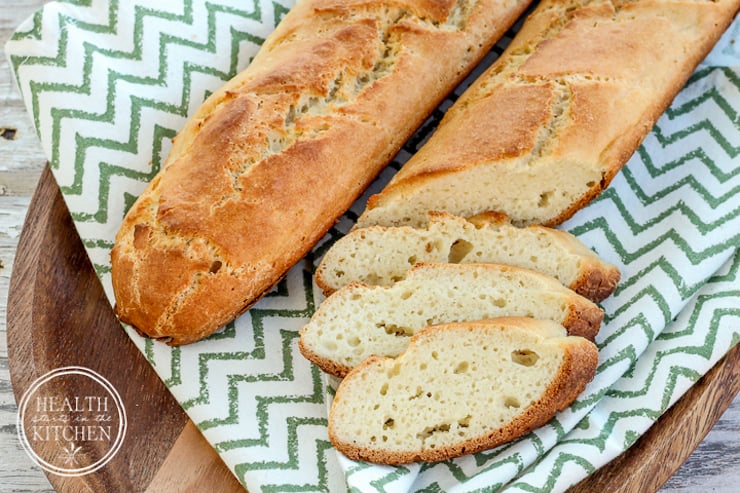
(459, 249)
(524, 357)
(512, 402)
(215, 266)
(384, 389)
(395, 330)
(389, 424)
(462, 367)
(544, 199)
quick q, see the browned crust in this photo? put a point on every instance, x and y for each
(583, 319)
(597, 282)
(578, 368)
(212, 237)
(326, 365)
(589, 59)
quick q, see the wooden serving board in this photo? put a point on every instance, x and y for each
(58, 316)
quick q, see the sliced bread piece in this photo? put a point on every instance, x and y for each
(361, 320)
(382, 255)
(458, 389)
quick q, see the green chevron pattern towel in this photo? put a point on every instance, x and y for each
(109, 83)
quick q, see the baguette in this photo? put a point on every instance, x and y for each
(547, 127)
(269, 162)
(459, 389)
(359, 320)
(382, 255)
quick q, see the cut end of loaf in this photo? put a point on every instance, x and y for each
(459, 389)
(528, 195)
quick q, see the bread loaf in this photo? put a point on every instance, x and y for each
(268, 163)
(459, 389)
(358, 320)
(382, 255)
(547, 127)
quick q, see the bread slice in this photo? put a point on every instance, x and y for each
(359, 320)
(267, 164)
(459, 389)
(546, 128)
(382, 255)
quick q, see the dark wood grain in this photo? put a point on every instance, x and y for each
(58, 316)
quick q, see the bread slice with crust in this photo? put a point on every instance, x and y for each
(459, 389)
(382, 255)
(361, 320)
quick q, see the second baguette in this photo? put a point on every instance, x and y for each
(546, 128)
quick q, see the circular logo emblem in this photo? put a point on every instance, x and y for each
(71, 421)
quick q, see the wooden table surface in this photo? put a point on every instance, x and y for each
(711, 468)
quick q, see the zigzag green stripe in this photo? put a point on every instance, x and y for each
(60, 59)
(317, 395)
(398, 472)
(258, 316)
(679, 207)
(674, 372)
(113, 77)
(694, 315)
(322, 447)
(555, 472)
(690, 181)
(733, 271)
(432, 488)
(108, 171)
(263, 404)
(138, 103)
(293, 422)
(732, 76)
(33, 33)
(696, 154)
(665, 266)
(696, 257)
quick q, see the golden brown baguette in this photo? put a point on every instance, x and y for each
(459, 389)
(270, 161)
(382, 255)
(546, 128)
